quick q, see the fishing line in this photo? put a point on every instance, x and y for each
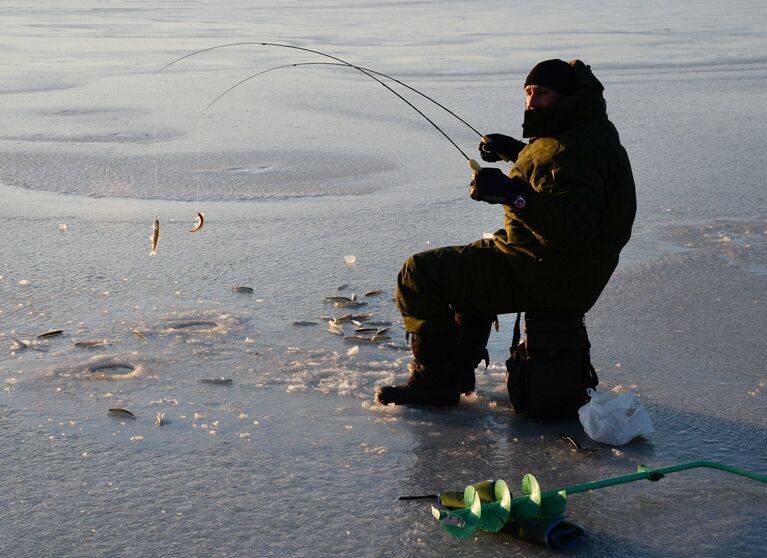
(155, 236)
(295, 65)
(472, 163)
(154, 141)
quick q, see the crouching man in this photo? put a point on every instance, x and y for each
(569, 203)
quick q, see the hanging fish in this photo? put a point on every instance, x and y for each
(155, 238)
(199, 223)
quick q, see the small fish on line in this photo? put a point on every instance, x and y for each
(118, 412)
(199, 223)
(155, 236)
(216, 381)
(52, 333)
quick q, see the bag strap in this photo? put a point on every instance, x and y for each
(517, 334)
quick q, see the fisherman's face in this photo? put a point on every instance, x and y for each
(540, 96)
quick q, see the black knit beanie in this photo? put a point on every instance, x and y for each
(555, 74)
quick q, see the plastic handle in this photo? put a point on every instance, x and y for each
(503, 157)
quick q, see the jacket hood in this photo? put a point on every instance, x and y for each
(584, 104)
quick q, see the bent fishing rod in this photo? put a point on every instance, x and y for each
(472, 163)
(338, 64)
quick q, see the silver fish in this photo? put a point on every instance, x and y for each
(576, 446)
(155, 236)
(190, 324)
(118, 412)
(18, 345)
(94, 368)
(217, 381)
(199, 224)
(338, 299)
(52, 333)
(358, 339)
(335, 327)
(93, 343)
(349, 304)
(348, 318)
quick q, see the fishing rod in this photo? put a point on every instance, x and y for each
(338, 64)
(472, 163)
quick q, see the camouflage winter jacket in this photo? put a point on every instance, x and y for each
(565, 242)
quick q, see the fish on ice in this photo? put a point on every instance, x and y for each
(217, 381)
(119, 412)
(51, 333)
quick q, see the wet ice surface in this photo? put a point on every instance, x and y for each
(299, 169)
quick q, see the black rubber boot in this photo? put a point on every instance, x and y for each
(473, 333)
(431, 382)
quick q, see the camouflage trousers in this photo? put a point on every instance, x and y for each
(474, 280)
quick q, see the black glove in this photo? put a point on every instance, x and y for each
(495, 147)
(492, 186)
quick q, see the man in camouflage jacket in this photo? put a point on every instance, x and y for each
(569, 204)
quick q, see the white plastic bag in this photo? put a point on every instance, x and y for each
(613, 418)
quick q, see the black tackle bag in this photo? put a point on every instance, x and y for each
(549, 371)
